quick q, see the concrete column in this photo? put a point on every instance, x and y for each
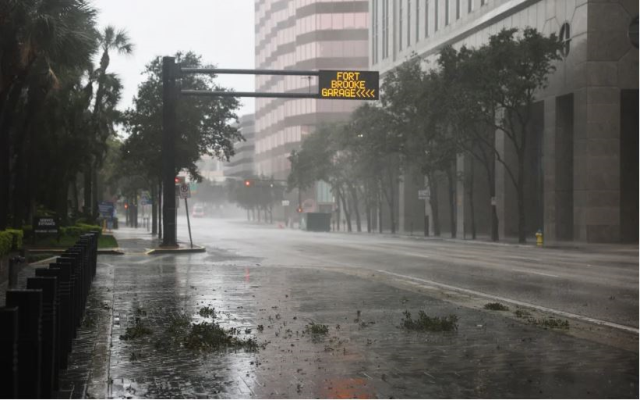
(549, 162)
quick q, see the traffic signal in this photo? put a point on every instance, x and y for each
(126, 206)
(179, 179)
(299, 209)
(247, 183)
(176, 180)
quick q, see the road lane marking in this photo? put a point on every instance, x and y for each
(516, 302)
(148, 260)
(533, 272)
(418, 255)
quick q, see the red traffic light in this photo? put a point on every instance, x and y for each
(126, 206)
(299, 209)
(247, 183)
(176, 180)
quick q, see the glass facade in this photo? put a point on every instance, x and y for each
(302, 35)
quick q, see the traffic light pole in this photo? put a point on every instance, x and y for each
(169, 134)
(170, 94)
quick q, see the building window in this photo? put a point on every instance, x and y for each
(446, 12)
(409, 23)
(374, 25)
(400, 26)
(426, 18)
(469, 6)
(457, 9)
(483, 2)
(435, 15)
(565, 38)
(385, 29)
(418, 20)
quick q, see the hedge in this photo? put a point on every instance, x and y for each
(6, 242)
(79, 229)
(17, 238)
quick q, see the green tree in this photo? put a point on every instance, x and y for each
(109, 40)
(41, 45)
(503, 79)
(205, 124)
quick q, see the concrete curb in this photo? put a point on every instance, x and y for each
(178, 250)
(114, 251)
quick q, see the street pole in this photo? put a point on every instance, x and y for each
(169, 133)
(186, 209)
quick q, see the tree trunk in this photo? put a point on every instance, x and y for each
(87, 211)
(160, 208)
(367, 206)
(347, 213)
(452, 201)
(522, 233)
(62, 200)
(97, 197)
(379, 211)
(472, 208)
(356, 207)
(74, 195)
(154, 209)
(6, 121)
(433, 203)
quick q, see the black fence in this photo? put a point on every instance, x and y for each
(39, 322)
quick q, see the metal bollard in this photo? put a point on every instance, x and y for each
(75, 260)
(9, 352)
(29, 303)
(14, 267)
(57, 346)
(66, 311)
(49, 299)
(74, 291)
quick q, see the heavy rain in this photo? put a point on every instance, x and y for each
(319, 199)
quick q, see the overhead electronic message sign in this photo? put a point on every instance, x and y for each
(349, 85)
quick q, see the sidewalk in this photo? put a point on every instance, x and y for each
(364, 354)
(622, 248)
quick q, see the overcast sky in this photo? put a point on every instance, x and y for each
(222, 31)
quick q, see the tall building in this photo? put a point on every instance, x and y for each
(582, 167)
(303, 35)
(241, 165)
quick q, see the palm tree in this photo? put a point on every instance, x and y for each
(36, 36)
(109, 40)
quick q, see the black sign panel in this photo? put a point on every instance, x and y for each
(349, 85)
(45, 225)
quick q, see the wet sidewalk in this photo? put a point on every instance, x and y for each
(138, 338)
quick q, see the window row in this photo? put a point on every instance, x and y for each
(415, 20)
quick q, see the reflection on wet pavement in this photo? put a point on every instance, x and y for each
(365, 353)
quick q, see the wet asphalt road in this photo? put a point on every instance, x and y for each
(600, 283)
(271, 284)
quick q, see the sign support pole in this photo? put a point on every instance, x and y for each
(186, 209)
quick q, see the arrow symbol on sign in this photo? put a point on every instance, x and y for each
(359, 93)
(373, 93)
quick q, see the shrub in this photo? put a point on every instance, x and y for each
(79, 229)
(6, 241)
(17, 238)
